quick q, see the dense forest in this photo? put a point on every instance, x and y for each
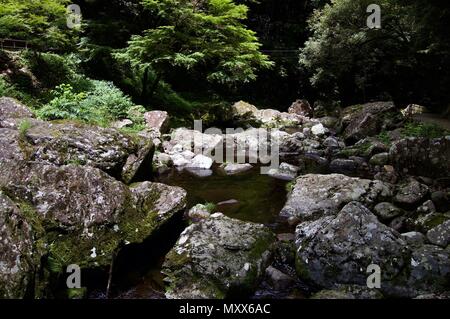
(163, 56)
(109, 188)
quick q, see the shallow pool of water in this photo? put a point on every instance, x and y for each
(249, 196)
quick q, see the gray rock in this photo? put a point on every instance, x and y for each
(338, 249)
(398, 224)
(319, 129)
(73, 143)
(422, 156)
(427, 222)
(426, 208)
(197, 142)
(217, 257)
(199, 212)
(441, 200)
(234, 169)
(88, 212)
(368, 119)
(414, 238)
(410, 194)
(278, 279)
(380, 159)
(387, 211)
(19, 255)
(343, 166)
(200, 162)
(314, 196)
(331, 142)
(11, 108)
(430, 269)
(157, 120)
(440, 235)
(286, 172)
(122, 123)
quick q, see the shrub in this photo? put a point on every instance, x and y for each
(7, 89)
(416, 129)
(51, 69)
(102, 104)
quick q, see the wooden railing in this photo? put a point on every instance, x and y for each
(13, 44)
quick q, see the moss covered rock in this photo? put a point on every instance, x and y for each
(218, 257)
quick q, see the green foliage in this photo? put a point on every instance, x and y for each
(101, 105)
(346, 59)
(416, 129)
(290, 186)
(210, 207)
(207, 35)
(6, 88)
(24, 126)
(384, 138)
(42, 23)
(51, 69)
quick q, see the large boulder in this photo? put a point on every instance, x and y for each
(301, 107)
(216, 258)
(11, 108)
(422, 156)
(314, 196)
(59, 144)
(19, 253)
(368, 119)
(241, 110)
(157, 120)
(85, 213)
(338, 249)
(430, 269)
(411, 193)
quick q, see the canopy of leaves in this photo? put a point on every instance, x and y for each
(41, 22)
(347, 60)
(201, 34)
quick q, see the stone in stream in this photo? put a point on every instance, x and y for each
(411, 193)
(414, 238)
(278, 279)
(157, 120)
(200, 162)
(387, 211)
(314, 196)
(338, 249)
(234, 169)
(285, 172)
(183, 139)
(199, 212)
(216, 258)
(82, 214)
(440, 235)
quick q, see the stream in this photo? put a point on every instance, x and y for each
(249, 196)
